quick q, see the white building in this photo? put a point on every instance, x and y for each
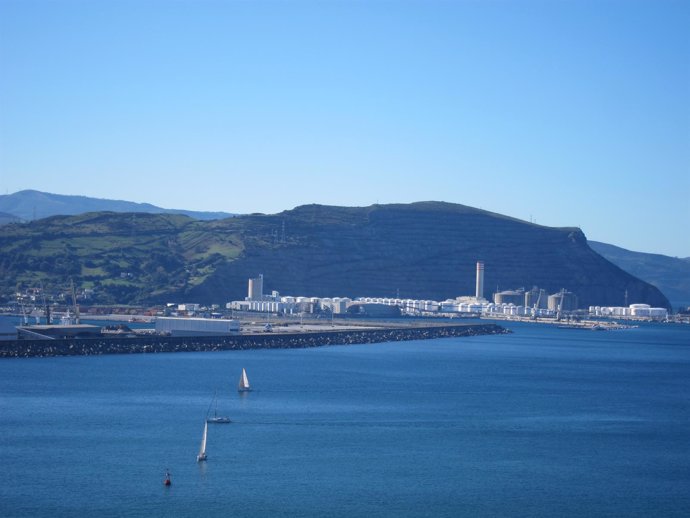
(197, 326)
(641, 311)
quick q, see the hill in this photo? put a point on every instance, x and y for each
(670, 274)
(425, 250)
(8, 218)
(29, 205)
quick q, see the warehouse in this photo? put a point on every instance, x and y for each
(196, 326)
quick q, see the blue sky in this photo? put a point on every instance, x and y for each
(569, 113)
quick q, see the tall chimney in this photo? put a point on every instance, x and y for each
(480, 280)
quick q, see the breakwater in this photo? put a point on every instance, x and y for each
(168, 344)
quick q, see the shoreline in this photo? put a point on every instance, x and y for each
(601, 325)
(276, 340)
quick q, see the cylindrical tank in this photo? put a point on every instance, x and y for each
(256, 288)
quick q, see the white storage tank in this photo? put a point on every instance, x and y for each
(640, 310)
(658, 312)
(447, 307)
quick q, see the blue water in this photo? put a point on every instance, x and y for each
(543, 422)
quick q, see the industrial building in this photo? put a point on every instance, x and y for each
(196, 326)
(640, 311)
(533, 303)
(536, 298)
(370, 309)
(285, 305)
(56, 332)
(336, 305)
(256, 288)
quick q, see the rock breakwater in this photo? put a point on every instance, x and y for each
(168, 344)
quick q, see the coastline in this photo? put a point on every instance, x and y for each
(168, 344)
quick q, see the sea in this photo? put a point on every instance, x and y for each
(541, 422)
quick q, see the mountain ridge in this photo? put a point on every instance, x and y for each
(29, 204)
(425, 250)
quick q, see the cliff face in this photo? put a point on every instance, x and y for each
(423, 250)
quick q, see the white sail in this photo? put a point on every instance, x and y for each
(244, 381)
(202, 449)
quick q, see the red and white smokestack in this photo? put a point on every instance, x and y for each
(480, 280)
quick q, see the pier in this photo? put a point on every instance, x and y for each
(276, 340)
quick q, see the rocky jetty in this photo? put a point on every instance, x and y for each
(169, 344)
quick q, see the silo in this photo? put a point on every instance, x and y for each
(514, 297)
(562, 301)
(536, 298)
(256, 288)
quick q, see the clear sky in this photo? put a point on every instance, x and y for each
(566, 112)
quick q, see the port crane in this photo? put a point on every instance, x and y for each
(74, 303)
(560, 304)
(536, 305)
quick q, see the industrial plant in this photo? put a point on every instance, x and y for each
(532, 303)
(191, 319)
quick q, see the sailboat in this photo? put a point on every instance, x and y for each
(243, 385)
(216, 418)
(202, 450)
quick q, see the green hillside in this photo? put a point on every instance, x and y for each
(122, 257)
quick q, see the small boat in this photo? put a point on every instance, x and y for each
(202, 450)
(167, 481)
(243, 385)
(217, 419)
